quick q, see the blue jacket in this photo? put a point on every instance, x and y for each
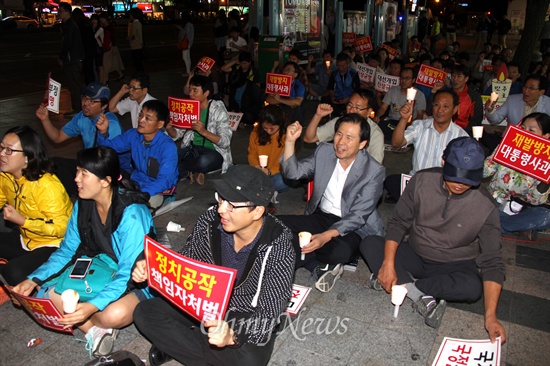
(344, 89)
(155, 166)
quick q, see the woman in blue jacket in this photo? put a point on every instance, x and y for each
(110, 217)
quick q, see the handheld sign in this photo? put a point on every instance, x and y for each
(392, 52)
(348, 38)
(183, 112)
(384, 82)
(43, 311)
(206, 64)
(363, 44)
(278, 84)
(525, 152)
(428, 76)
(297, 299)
(366, 72)
(501, 84)
(54, 95)
(200, 289)
(468, 352)
(234, 120)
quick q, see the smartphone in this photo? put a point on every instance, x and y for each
(80, 268)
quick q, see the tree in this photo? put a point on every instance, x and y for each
(534, 21)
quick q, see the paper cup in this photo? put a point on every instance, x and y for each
(172, 226)
(411, 93)
(477, 131)
(304, 237)
(263, 160)
(327, 63)
(494, 97)
(398, 294)
(70, 300)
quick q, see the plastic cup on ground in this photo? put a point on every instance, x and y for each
(494, 97)
(173, 227)
(70, 300)
(398, 294)
(304, 237)
(477, 131)
(411, 93)
(263, 160)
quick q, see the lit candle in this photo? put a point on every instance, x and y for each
(327, 63)
(494, 97)
(411, 94)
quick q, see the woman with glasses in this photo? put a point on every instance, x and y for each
(522, 199)
(35, 204)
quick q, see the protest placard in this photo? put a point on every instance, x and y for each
(384, 82)
(278, 84)
(43, 311)
(428, 76)
(206, 64)
(54, 95)
(468, 352)
(234, 120)
(363, 44)
(366, 72)
(200, 289)
(525, 152)
(405, 178)
(348, 38)
(392, 52)
(297, 299)
(183, 112)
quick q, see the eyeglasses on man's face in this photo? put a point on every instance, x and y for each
(357, 107)
(133, 88)
(87, 100)
(230, 206)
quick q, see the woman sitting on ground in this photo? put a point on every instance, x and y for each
(109, 219)
(33, 200)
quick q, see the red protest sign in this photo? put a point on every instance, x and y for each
(200, 289)
(428, 76)
(348, 38)
(392, 52)
(183, 111)
(278, 84)
(206, 64)
(363, 44)
(43, 311)
(525, 152)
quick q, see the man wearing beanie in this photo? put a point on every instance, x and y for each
(454, 250)
(237, 233)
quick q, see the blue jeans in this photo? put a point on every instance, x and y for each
(279, 183)
(528, 219)
(198, 159)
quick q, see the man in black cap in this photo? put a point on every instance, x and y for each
(454, 251)
(240, 234)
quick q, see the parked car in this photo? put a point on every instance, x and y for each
(19, 22)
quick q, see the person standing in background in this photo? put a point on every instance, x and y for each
(186, 30)
(135, 37)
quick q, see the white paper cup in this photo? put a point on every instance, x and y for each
(398, 294)
(305, 238)
(263, 160)
(172, 226)
(477, 131)
(70, 300)
(494, 97)
(327, 63)
(411, 93)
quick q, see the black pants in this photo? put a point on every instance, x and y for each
(73, 76)
(392, 183)
(21, 263)
(180, 336)
(340, 249)
(137, 59)
(454, 281)
(388, 126)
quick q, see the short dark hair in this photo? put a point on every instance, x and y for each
(342, 56)
(461, 69)
(357, 119)
(514, 64)
(294, 65)
(451, 93)
(543, 82)
(66, 6)
(409, 69)
(370, 96)
(235, 29)
(543, 120)
(245, 56)
(295, 52)
(143, 78)
(275, 115)
(204, 82)
(154, 105)
(463, 56)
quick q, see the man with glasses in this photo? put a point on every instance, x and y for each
(138, 93)
(394, 99)
(94, 101)
(238, 233)
(362, 102)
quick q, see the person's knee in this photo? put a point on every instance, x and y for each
(473, 288)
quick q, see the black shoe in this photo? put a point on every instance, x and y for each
(157, 357)
(390, 199)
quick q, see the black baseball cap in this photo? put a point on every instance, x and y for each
(244, 183)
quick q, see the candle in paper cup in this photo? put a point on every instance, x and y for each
(398, 294)
(411, 93)
(173, 227)
(70, 300)
(263, 160)
(494, 97)
(327, 63)
(304, 237)
(477, 131)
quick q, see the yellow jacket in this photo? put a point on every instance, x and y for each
(45, 205)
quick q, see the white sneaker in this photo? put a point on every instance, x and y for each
(100, 341)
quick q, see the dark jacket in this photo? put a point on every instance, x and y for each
(72, 50)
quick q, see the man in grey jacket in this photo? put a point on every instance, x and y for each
(342, 210)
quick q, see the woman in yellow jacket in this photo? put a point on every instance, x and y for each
(34, 200)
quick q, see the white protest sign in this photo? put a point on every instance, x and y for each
(234, 120)
(384, 82)
(366, 72)
(468, 352)
(54, 95)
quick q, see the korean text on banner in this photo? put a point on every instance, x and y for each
(348, 38)
(200, 289)
(366, 72)
(428, 76)
(183, 112)
(468, 352)
(43, 311)
(206, 64)
(234, 120)
(363, 44)
(278, 84)
(525, 152)
(384, 82)
(392, 52)
(54, 96)
(297, 299)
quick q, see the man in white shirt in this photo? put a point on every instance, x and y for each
(138, 93)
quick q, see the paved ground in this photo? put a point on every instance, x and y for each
(353, 325)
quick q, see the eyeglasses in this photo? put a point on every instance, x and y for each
(357, 108)
(8, 150)
(133, 88)
(530, 87)
(87, 100)
(231, 206)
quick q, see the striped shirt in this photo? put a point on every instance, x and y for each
(428, 143)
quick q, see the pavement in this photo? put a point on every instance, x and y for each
(351, 325)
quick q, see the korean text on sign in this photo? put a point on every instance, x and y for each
(428, 76)
(201, 290)
(206, 64)
(54, 96)
(363, 44)
(465, 352)
(525, 152)
(43, 311)
(297, 299)
(278, 84)
(183, 112)
(384, 82)
(392, 52)
(234, 120)
(366, 72)
(348, 38)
